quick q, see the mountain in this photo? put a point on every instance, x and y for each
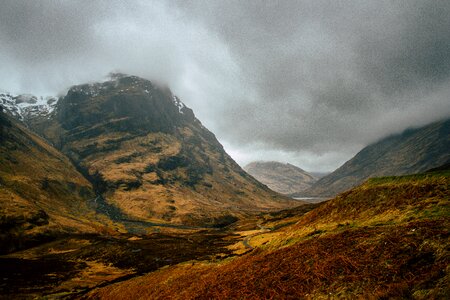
(148, 157)
(319, 175)
(413, 151)
(282, 178)
(42, 195)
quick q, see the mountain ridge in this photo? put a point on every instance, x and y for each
(414, 150)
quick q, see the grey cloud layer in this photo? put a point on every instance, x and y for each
(310, 81)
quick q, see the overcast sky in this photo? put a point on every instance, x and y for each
(305, 82)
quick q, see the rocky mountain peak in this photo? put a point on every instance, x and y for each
(125, 103)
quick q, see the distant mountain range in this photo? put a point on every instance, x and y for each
(134, 147)
(413, 151)
(282, 178)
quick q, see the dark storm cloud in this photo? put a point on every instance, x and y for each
(35, 31)
(46, 44)
(310, 82)
(50, 45)
(415, 51)
(334, 75)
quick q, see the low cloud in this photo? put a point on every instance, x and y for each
(309, 82)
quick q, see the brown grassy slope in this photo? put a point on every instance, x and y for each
(154, 160)
(41, 193)
(388, 238)
(413, 151)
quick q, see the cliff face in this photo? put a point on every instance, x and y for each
(413, 151)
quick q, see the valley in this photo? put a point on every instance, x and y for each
(388, 238)
(224, 150)
(92, 261)
(117, 191)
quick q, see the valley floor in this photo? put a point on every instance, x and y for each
(71, 266)
(389, 238)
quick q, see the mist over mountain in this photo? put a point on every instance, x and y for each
(300, 81)
(413, 151)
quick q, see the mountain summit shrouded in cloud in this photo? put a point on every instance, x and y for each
(306, 82)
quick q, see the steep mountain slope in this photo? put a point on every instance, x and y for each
(41, 193)
(387, 239)
(149, 156)
(413, 151)
(282, 178)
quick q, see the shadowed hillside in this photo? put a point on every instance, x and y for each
(42, 195)
(413, 151)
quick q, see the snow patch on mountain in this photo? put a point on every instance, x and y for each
(178, 104)
(27, 106)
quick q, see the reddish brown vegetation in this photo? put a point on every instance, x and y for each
(391, 261)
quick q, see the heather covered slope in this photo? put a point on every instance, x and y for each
(388, 238)
(148, 155)
(42, 195)
(413, 151)
(282, 178)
